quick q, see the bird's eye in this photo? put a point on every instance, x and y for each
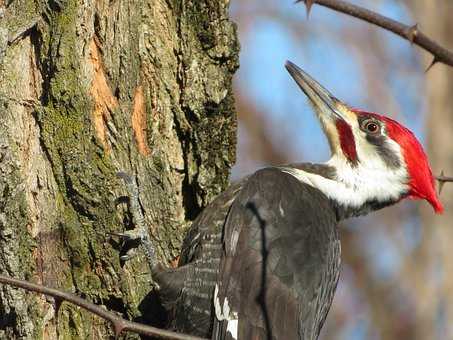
(371, 126)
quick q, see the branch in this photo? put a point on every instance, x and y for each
(411, 33)
(119, 324)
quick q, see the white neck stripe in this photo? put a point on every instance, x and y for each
(353, 186)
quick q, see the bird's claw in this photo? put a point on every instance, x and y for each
(139, 234)
(130, 254)
(130, 235)
(124, 176)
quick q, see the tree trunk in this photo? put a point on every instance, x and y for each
(89, 88)
(433, 263)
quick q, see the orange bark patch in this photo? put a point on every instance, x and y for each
(139, 121)
(104, 100)
(175, 262)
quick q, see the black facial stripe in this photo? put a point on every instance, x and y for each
(380, 142)
(319, 169)
(344, 212)
(385, 151)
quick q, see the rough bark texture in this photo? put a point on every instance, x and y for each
(88, 88)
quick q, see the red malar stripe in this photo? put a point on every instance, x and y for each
(347, 141)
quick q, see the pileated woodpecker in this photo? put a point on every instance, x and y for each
(262, 261)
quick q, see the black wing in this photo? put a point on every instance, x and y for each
(187, 292)
(281, 260)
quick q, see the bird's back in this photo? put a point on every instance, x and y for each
(281, 262)
(271, 246)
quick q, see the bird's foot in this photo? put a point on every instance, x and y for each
(139, 236)
(131, 239)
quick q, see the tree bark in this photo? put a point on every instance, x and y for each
(89, 88)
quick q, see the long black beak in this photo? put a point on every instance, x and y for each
(325, 103)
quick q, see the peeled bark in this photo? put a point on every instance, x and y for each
(89, 88)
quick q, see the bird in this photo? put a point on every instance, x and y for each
(262, 261)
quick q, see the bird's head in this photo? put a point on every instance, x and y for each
(377, 161)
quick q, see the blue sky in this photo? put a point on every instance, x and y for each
(270, 43)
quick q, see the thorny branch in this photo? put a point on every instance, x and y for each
(411, 33)
(442, 179)
(119, 324)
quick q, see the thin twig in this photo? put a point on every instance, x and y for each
(119, 324)
(411, 33)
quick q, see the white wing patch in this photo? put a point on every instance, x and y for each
(282, 212)
(221, 312)
(232, 328)
(224, 313)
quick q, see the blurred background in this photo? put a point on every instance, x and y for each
(397, 275)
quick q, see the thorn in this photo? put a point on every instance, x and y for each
(441, 182)
(308, 4)
(411, 33)
(441, 186)
(118, 327)
(435, 60)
